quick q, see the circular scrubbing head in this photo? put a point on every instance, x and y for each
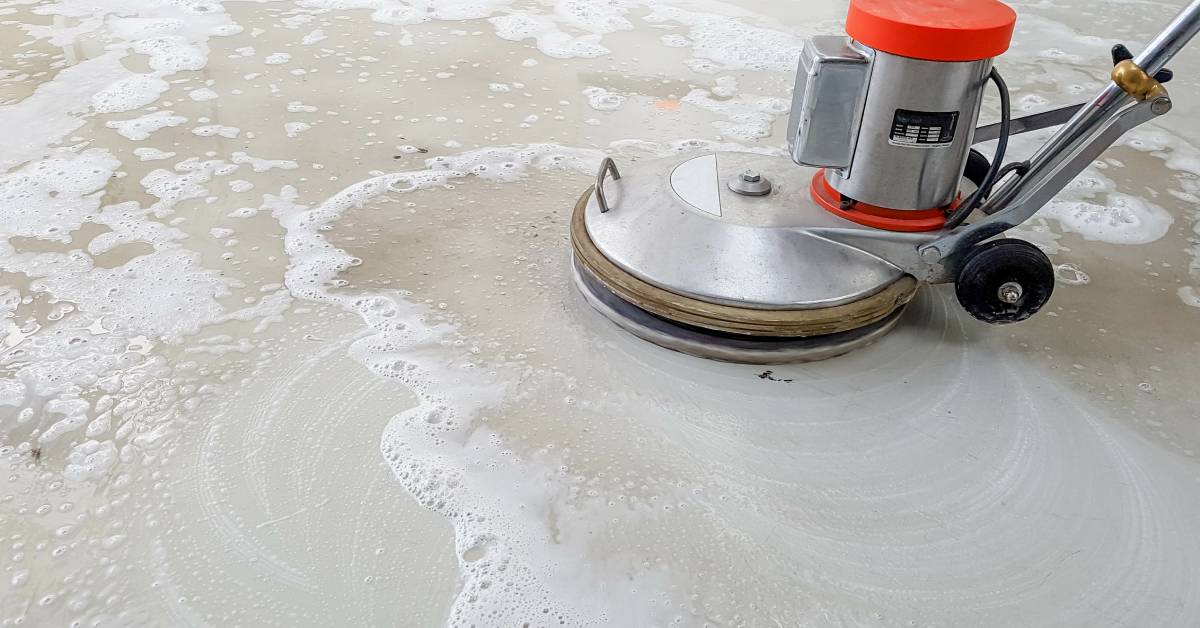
(725, 332)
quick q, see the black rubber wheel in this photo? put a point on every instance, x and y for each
(1004, 281)
(977, 167)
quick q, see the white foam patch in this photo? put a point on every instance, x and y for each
(73, 413)
(129, 390)
(240, 185)
(221, 130)
(552, 41)
(601, 99)
(12, 392)
(152, 154)
(70, 375)
(1071, 275)
(731, 44)
(676, 41)
(1177, 154)
(52, 112)
(396, 13)
(173, 35)
(725, 87)
(129, 222)
(718, 41)
(129, 93)
(51, 198)
(1190, 296)
(142, 127)
(1039, 39)
(592, 16)
(747, 117)
(203, 94)
(294, 129)
(554, 32)
(259, 164)
(1123, 219)
(90, 460)
(1091, 207)
(167, 294)
(187, 182)
(1184, 158)
(278, 58)
(171, 54)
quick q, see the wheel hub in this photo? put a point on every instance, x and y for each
(1010, 292)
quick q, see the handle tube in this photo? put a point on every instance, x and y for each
(1171, 40)
(1085, 131)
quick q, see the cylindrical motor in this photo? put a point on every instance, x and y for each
(890, 112)
(917, 126)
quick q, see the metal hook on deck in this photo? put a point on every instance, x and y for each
(606, 166)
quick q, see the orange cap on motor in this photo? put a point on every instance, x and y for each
(933, 30)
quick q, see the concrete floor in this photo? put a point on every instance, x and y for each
(299, 346)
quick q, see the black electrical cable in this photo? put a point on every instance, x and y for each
(985, 187)
(1020, 167)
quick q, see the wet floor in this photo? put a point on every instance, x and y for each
(289, 338)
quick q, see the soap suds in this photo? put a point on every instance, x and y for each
(142, 127)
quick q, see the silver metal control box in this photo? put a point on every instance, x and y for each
(827, 104)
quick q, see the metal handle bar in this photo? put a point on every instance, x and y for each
(1090, 131)
(1053, 178)
(1031, 122)
(1171, 40)
(606, 166)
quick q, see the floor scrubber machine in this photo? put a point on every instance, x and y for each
(758, 259)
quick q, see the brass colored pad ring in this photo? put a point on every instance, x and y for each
(729, 319)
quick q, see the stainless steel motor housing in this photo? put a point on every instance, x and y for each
(890, 131)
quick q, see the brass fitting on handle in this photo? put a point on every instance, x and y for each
(1135, 82)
